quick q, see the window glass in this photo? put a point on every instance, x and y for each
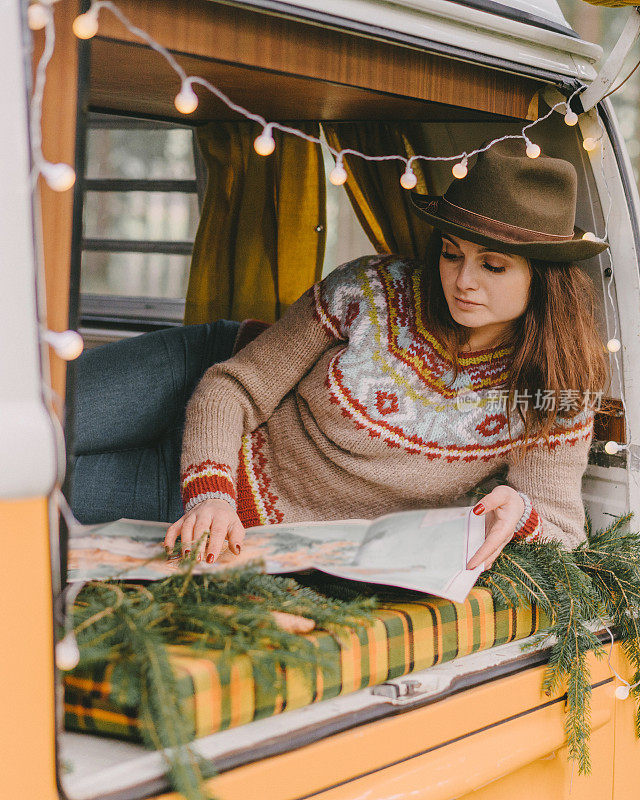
(144, 153)
(140, 214)
(345, 238)
(159, 275)
(169, 216)
(137, 238)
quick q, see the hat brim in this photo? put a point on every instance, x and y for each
(576, 249)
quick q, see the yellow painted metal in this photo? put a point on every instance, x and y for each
(626, 777)
(504, 736)
(27, 721)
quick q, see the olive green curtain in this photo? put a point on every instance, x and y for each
(379, 201)
(261, 237)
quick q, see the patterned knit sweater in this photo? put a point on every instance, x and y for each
(346, 408)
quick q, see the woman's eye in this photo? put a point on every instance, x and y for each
(485, 264)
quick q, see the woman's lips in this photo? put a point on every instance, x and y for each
(465, 304)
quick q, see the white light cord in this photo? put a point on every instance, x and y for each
(67, 652)
(69, 517)
(614, 309)
(626, 686)
(35, 115)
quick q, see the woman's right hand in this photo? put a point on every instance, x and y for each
(211, 522)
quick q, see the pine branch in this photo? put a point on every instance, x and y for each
(131, 627)
(600, 578)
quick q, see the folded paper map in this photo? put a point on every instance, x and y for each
(426, 550)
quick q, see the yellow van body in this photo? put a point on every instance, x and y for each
(488, 740)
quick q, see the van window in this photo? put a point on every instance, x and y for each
(140, 217)
(345, 238)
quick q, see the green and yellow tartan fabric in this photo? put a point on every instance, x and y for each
(224, 693)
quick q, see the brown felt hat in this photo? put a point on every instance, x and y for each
(515, 204)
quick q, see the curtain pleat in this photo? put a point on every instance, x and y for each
(379, 201)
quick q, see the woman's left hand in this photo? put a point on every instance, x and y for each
(503, 508)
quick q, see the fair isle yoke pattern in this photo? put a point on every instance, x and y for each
(395, 379)
(361, 414)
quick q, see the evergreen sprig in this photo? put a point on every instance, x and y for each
(131, 625)
(124, 625)
(577, 589)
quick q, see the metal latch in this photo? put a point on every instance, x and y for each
(398, 692)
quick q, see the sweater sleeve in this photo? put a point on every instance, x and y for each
(235, 396)
(549, 478)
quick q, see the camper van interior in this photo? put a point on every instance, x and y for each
(160, 193)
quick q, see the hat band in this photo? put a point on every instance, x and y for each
(493, 227)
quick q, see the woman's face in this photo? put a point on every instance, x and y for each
(485, 290)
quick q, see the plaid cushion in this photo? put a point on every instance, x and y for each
(223, 693)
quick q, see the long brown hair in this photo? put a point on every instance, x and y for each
(555, 343)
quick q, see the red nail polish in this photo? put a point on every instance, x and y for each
(478, 509)
(210, 558)
(237, 549)
(187, 553)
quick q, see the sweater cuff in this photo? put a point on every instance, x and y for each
(207, 481)
(529, 526)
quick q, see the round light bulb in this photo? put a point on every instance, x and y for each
(85, 26)
(338, 175)
(37, 16)
(408, 180)
(622, 692)
(589, 236)
(533, 150)
(612, 448)
(590, 144)
(186, 101)
(59, 177)
(264, 144)
(459, 170)
(613, 345)
(67, 344)
(570, 118)
(67, 653)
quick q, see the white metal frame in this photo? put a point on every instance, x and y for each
(459, 27)
(31, 455)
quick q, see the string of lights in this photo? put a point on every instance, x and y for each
(186, 101)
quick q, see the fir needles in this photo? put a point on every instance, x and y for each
(131, 626)
(599, 580)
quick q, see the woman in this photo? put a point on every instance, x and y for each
(383, 387)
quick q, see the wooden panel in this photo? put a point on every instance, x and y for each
(145, 85)
(609, 421)
(210, 30)
(58, 143)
